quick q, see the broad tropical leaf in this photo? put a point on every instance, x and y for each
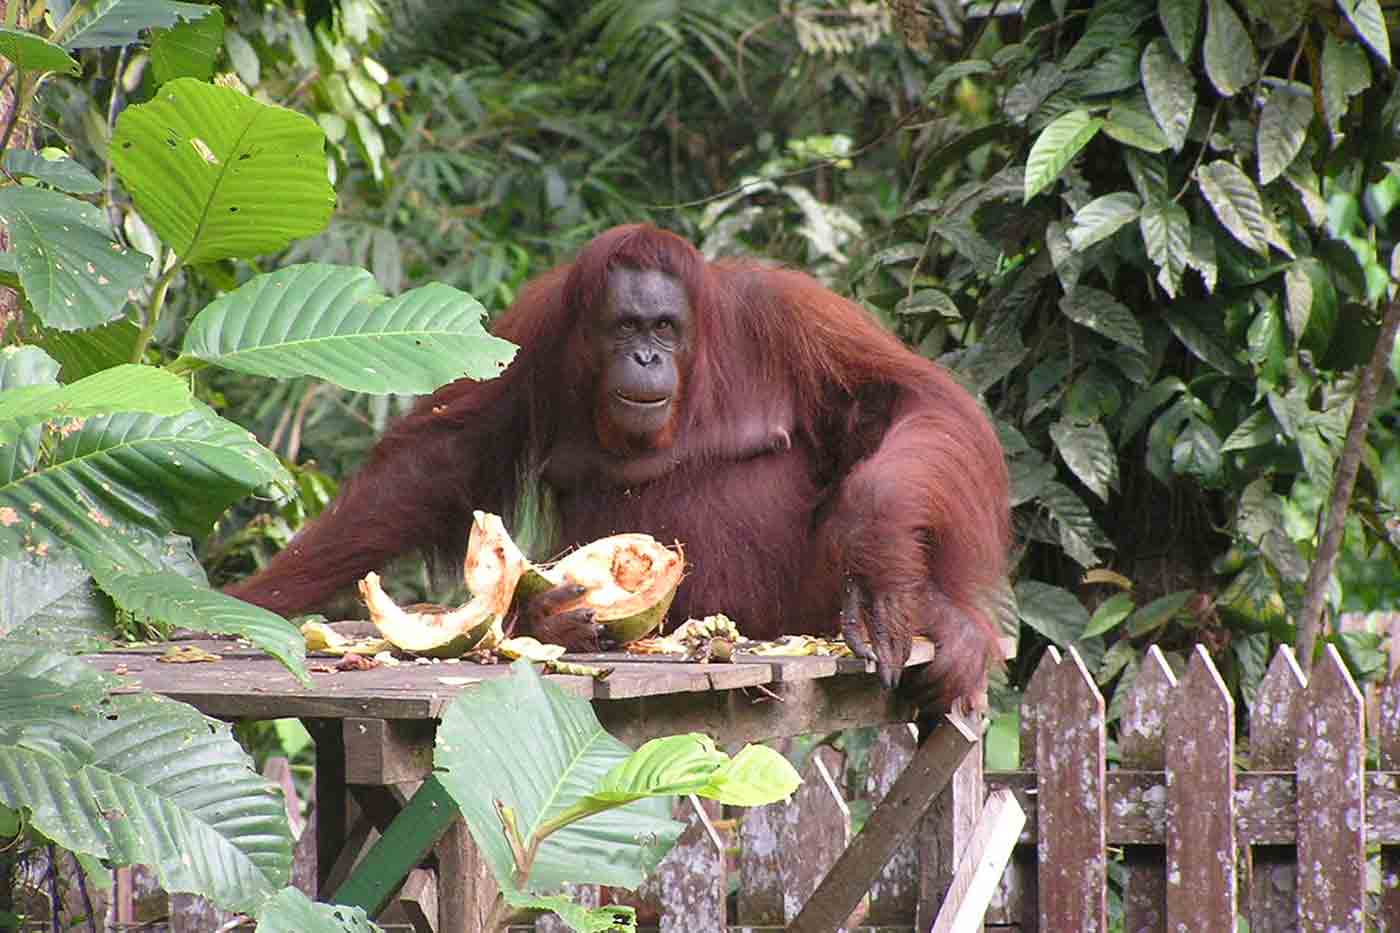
(679, 765)
(74, 274)
(1171, 91)
(140, 779)
(219, 175)
(128, 387)
(53, 169)
(121, 22)
(25, 366)
(52, 603)
(35, 53)
(1230, 58)
(1052, 611)
(1056, 147)
(290, 911)
(525, 743)
(168, 597)
(332, 322)
(1088, 452)
(84, 353)
(1283, 127)
(1102, 217)
(188, 49)
(112, 484)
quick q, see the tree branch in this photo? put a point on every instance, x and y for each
(1372, 378)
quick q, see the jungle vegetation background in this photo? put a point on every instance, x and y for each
(1156, 236)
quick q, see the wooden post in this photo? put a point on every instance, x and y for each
(948, 829)
(331, 798)
(691, 880)
(894, 893)
(1070, 758)
(1141, 739)
(1200, 801)
(1331, 800)
(982, 865)
(1273, 746)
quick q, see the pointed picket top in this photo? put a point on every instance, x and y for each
(1032, 701)
(1331, 799)
(1273, 724)
(1200, 769)
(1144, 726)
(1070, 765)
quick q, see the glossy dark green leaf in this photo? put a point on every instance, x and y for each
(1283, 127)
(53, 169)
(121, 22)
(1089, 454)
(1166, 232)
(1181, 20)
(1056, 147)
(1101, 312)
(1369, 21)
(34, 53)
(1171, 91)
(1230, 57)
(1346, 72)
(188, 49)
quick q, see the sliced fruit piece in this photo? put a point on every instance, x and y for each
(631, 580)
(433, 632)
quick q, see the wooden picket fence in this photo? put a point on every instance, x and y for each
(1274, 829)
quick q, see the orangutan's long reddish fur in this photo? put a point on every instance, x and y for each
(893, 474)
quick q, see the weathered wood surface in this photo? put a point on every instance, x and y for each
(894, 893)
(1388, 739)
(1331, 826)
(1071, 758)
(982, 863)
(1200, 766)
(1142, 743)
(947, 829)
(1272, 882)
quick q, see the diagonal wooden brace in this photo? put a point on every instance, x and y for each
(891, 822)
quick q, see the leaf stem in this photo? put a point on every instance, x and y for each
(148, 329)
(75, 11)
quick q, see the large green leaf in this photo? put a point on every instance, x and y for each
(219, 175)
(188, 49)
(84, 353)
(34, 53)
(1369, 20)
(1130, 122)
(1102, 217)
(1171, 91)
(525, 743)
(1088, 452)
(51, 602)
(1100, 311)
(1181, 20)
(333, 323)
(25, 366)
(1166, 232)
(1052, 611)
(290, 911)
(1079, 534)
(140, 779)
(1056, 147)
(1230, 58)
(74, 274)
(175, 600)
(679, 765)
(127, 387)
(53, 168)
(113, 483)
(121, 22)
(1236, 203)
(1283, 127)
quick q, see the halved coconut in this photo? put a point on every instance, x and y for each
(630, 580)
(492, 570)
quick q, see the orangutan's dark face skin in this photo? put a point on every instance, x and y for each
(642, 339)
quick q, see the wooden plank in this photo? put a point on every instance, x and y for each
(386, 751)
(894, 892)
(1331, 828)
(1272, 881)
(986, 857)
(330, 814)
(419, 902)
(889, 824)
(1018, 900)
(761, 832)
(467, 890)
(1070, 758)
(1200, 801)
(820, 831)
(946, 831)
(1388, 740)
(1142, 737)
(691, 880)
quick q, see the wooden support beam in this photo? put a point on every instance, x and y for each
(981, 865)
(889, 825)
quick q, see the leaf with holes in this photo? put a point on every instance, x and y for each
(73, 273)
(290, 911)
(188, 49)
(219, 175)
(1056, 147)
(1369, 21)
(1230, 58)
(1102, 217)
(1171, 91)
(113, 484)
(137, 779)
(333, 323)
(121, 22)
(1283, 127)
(1087, 451)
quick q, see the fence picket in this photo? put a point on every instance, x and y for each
(1070, 759)
(1200, 801)
(1388, 738)
(893, 894)
(1273, 730)
(1331, 800)
(691, 878)
(1142, 736)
